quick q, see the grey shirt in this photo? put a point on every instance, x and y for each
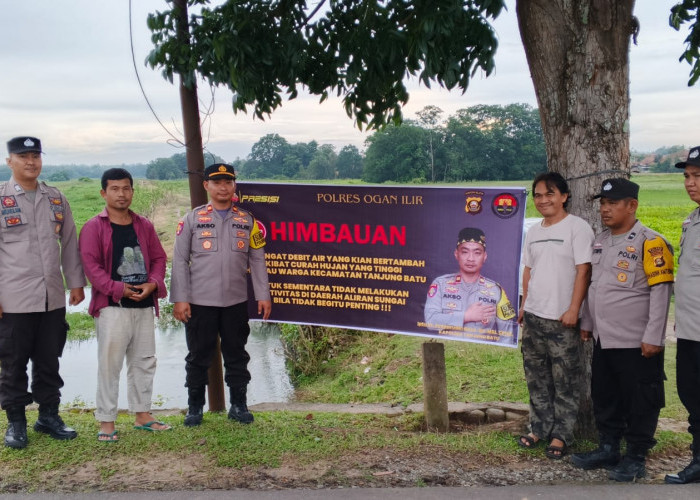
(212, 256)
(688, 280)
(630, 291)
(38, 240)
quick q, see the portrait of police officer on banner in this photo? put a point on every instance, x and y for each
(466, 303)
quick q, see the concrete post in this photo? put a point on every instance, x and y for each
(435, 387)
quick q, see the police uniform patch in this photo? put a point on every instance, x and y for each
(432, 290)
(257, 238)
(621, 277)
(55, 201)
(180, 225)
(658, 261)
(13, 221)
(242, 220)
(240, 234)
(59, 216)
(205, 234)
(451, 305)
(451, 289)
(57, 229)
(630, 248)
(240, 244)
(9, 201)
(623, 264)
(204, 219)
(202, 212)
(206, 245)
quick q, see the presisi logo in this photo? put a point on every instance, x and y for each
(250, 198)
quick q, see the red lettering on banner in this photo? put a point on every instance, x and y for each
(326, 232)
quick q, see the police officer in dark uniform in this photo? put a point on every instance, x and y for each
(215, 246)
(38, 240)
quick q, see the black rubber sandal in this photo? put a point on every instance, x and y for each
(555, 452)
(528, 442)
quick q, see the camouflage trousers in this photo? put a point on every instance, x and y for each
(552, 363)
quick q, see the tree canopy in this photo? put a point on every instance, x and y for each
(264, 50)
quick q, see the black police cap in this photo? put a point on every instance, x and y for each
(693, 158)
(471, 235)
(618, 189)
(219, 171)
(24, 144)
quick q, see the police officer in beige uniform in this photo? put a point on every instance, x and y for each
(466, 302)
(687, 306)
(38, 241)
(626, 311)
(215, 246)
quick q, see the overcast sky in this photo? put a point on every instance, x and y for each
(67, 77)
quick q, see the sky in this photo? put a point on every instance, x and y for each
(68, 78)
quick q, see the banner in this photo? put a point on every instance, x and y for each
(387, 258)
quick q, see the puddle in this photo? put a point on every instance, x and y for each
(270, 381)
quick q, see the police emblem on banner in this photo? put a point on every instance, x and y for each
(505, 205)
(473, 203)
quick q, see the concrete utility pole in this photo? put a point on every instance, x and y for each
(198, 196)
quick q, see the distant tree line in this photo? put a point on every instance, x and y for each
(56, 173)
(482, 142)
(478, 143)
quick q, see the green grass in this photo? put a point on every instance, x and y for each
(82, 326)
(86, 202)
(475, 373)
(274, 439)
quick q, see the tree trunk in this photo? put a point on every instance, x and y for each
(577, 52)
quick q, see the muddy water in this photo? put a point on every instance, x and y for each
(270, 381)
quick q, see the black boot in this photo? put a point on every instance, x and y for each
(195, 403)
(194, 416)
(16, 435)
(239, 408)
(606, 455)
(691, 474)
(631, 468)
(51, 423)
